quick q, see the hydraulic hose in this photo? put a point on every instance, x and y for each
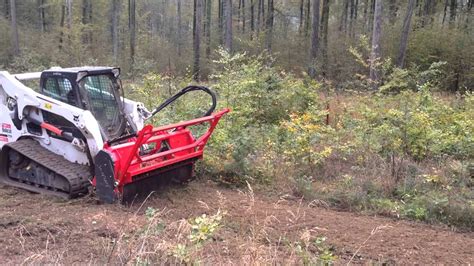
(171, 100)
(184, 91)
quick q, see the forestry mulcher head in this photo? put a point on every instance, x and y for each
(77, 131)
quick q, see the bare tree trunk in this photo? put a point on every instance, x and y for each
(243, 16)
(208, 32)
(239, 11)
(356, 10)
(15, 41)
(314, 39)
(343, 24)
(300, 27)
(180, 26)
(69, 14)
(446, 4)
(194, 17)
(41, 18)
(132, 29)
(392, 11)
(197, 39)
(452, 11)
(324, 36)
(307, 18)
(370, 22)
(69, 20)
(87, 19)
(429, 11)
(228, 25)
(366, 9)
(269, 23)
(252, 18)
(351, 17)
(259, 15)
(405, 32)
(61, 25)
(115, 28)
(375, 54)
(221, 21)
(6, 5)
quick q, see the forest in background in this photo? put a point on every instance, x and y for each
(361, 105)
(181, 37)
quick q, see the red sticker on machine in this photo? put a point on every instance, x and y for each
(6, 128)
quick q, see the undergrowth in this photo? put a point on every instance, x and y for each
(405, 151)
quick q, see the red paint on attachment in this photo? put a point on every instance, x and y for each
(181, 145)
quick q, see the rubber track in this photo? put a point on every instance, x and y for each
(77, 175)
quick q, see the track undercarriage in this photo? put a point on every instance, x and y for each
(27, 165)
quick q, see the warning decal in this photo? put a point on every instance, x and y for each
(6, 128)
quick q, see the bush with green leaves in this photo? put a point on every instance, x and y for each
(278, 129)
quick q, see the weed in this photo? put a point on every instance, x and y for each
(204, 227)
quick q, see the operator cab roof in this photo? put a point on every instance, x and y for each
(81, 69)
(70, 71)
(77, 73)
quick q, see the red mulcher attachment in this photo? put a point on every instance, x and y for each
(154, 156)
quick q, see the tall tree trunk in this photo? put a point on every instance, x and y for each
(243, 16)
(132, 29)
(324, 36)
(356, 9)
(375, 53)
(239, 12)
(194, 17)
(269, 23)
(6, 5)
(259, 15)
(208, 32)
(452, 11)
(370, 22)
(392, 11)
(300, 27)
(69, 14)
(61, 25)
(180, 26)
(69, 20)
(41, 17)
(314, 39)
(307, 18)
(343, 24)
(228, 25)
(405, 32)
(115, 13)
(221, 21)
(351, 17)
(86, 20)
(15, 41)
(429, 12)
(252, 18)
(446, 4)
(197, 39)
(366, 9)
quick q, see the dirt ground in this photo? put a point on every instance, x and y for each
(256, 229)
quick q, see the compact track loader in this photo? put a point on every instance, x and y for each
(78, 132)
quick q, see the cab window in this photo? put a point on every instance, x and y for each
(60, 89)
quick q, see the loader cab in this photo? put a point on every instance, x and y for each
(96, 89)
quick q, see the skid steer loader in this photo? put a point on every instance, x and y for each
(79, 133)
